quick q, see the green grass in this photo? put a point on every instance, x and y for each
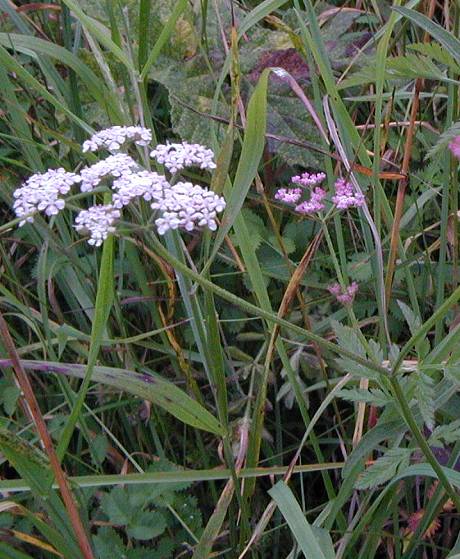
(205, 393)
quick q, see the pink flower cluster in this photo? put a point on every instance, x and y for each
(346, 196)
(454, 147)
(289, 195)
(346, 295)
(308, 179)
(315, 204)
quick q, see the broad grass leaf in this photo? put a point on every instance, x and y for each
(146, 386)
(306, 537)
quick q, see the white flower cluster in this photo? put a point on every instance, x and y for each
(113, 138)
(145, 184)
(98, 222)
(183, 205)
(116, 165)
(177, 156)
(41, 192)
(188, 206)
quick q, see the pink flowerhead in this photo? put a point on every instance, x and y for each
(346, 196)
(315, 204)
(344, 296)
(454, 147)
(308, 179)
(289, 195)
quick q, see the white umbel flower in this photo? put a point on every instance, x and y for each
(114, 165)
(97, 221)
(187, 206)
(145, 184)
(115, 137)
(177, 156)
(41, 192)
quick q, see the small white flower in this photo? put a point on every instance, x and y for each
(187, 206)
(41, 192)
(177, 156)
(115, 137)
(115, 165)
(143, 184)
(97, 221)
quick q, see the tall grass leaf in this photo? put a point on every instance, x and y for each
(171, 477)
(99, 32)
(13, 65)
(104, 298)
(301, 529)
(34, 45)
(163, 37)
(446, 39)
(251, 153)
(150, 387)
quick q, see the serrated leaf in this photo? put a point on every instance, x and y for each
(444, 139)
(374, 396)
(146, 525)
(117, 507)
(449, 433)
(436, 52)
(108, 544)
(359, 267)
(424, 394)
(385, 468)
(348, 338)
(288, 244)
(452, 371)
(257, 227)
(412, 320)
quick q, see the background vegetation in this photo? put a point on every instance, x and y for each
(230, 406)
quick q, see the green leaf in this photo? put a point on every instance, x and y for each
(164, 37)
(438, 53)
(385, 468)
(444, 139)
(100, 446)
(146, 525)
(117, 507)
(251, 154)
(100, 32)
(108, 544)
(9, 397)
(147, 386)
(311, 546)
(360, 268)
(103, 305)
(374, 396)
(35, 46)
(424, 395)
(449, 433)
(447, 40)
